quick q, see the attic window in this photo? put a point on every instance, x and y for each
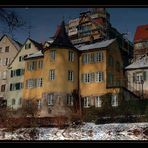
(28, 46)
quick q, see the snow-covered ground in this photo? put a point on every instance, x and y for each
(88, 131)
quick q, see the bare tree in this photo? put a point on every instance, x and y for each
(11, 19)
(29, 108)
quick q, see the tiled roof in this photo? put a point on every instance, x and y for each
(101, 44)
(141, 33)
(62, 40)
(139, 63)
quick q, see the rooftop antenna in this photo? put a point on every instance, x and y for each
(29, 30)
(63, 18)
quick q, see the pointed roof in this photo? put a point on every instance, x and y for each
(61, 39)
(17, 44)
(36, 44)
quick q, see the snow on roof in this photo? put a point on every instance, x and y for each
(96, 45)
(140, 63)
(37, 54)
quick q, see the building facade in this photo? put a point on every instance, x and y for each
(137, 75)
(16, 71)
(73, 76)
(8, 50)
(94, 26)
(100, 72)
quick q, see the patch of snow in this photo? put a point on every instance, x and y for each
(88, 131)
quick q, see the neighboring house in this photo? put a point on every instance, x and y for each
(33, 78)
(137, 75)
(141, 41)
(101, 73)
(16, 73)
(8, 50)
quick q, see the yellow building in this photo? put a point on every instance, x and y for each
(100, 72)
(69, 73)
(33, 77)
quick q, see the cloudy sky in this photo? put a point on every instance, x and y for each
(44, 21)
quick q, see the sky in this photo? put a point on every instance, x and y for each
(44, 21)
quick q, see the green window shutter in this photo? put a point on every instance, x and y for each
(18, 72)
(17, 85)
(144, 75)
(11, 73)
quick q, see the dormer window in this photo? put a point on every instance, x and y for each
(28, 46)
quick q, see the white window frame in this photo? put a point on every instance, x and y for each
(50, 99)
(70, 75)
(39, 104)
(69, 100)
(99, 76)
(71, 56)
(86, 102)
(39, 82)
(52, 74)
(98, 102)
(53, 55)
(114, 100)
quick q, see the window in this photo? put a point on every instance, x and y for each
(86, 58)
(39, 82)
(87, 77)
(50, 99)
(52, 74)
(92, 58)
(52, 54)
(92, 77)
(69, 100)
(1, 61)
(99, 56)
(1, 49)
(13, 101)
(18, 86)
(114, 100)
(20, 101)
(32, 65)
(70, 56)
(70, 75)
(7, 49)
(30, 83)
(98, 101)
(138, 77)
(28, 46)
(20, 58)
(99, 76)
(110, 78)
(39, 104)
(4, 75)
(86, 102)
(40, 64)
(118, 66)
(145, 75)
(111, 62)
(3, 87)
